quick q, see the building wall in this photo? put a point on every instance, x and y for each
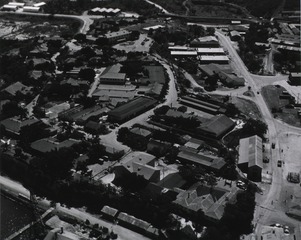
(254, 174)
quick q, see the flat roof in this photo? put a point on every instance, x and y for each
(210, 50)
(16, 4)
(10, 6)
(214, 58)
(153, 27)
(184, 53)
(117, 34)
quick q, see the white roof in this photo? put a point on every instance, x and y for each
(107, 10)
(39, 4)
(210, 50)
(153, 27)
(31, 8)
(184, 53)
(16, 4)
(10, 6)
(181, 48)
(214, 58)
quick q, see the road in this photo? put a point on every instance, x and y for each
(267, 210)
(86, 20)
(170, 98)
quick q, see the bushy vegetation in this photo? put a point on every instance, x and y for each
(258, 8)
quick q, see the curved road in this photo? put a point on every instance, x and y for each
(266, 210)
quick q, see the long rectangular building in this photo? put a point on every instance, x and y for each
(250, 157)
(222, 59)
(131, 109)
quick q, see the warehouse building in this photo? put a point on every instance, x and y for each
(250, 157)
(131, 109)
(220, 59)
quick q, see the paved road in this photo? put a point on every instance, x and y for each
(267, 210)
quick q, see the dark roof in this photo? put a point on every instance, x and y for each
(218, 125)
(132, 107)
(140, 131)
(209, 161)
(93, 125)
(14, 124)
(173, 180)
(49, 144)
(17, 87)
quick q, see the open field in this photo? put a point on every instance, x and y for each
(247, 107)
(288, 115)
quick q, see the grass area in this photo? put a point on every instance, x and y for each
(247, 107)
(288, 115)
(258, 8)
(174, 6)
(210, 10)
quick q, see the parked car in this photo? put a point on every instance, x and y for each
(279, 163)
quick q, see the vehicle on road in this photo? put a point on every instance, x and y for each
(279, 163)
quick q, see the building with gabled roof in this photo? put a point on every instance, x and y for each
(50, 144)
(141, 132)
(115, 37)
(208, 41)
(138, 225)
(109, 212)
(143, 164)
(217, 126)
(131, 109)
(211, 201)
(209, 162)
(250, 157)
(14, 125)
(12, 89)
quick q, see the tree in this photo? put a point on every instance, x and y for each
(87, 74)
(254, 127)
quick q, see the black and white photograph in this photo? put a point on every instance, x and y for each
(150, 120)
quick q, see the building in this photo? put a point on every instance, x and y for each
(14, 125)
(131, 109)
(295, 78)
(216, 127)
(116, 37)
(105, 11)
(31, 9)
(109, 213)
(8, 7)
(209, 162)
(18, 4)
(183, 53)
(231, 80)
(202, 105)
(111, 75)
(220, 59)
(12, 89)
(250, 157)
(205, 42)
(50, 144)
(138, 225)
(212, 201)
(143, 165)
(210, 51)
(141, 132)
